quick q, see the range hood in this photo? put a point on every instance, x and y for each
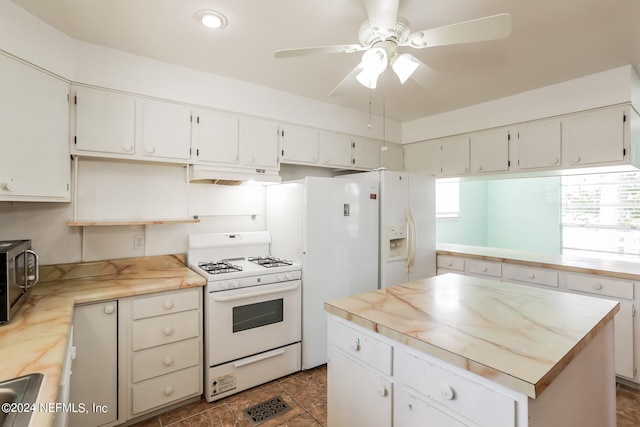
(230, 176)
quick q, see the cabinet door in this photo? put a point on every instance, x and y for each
(366, 154)
(95, 368)
(413, 411)
(454, 156)
(422, 157)
(356, 396)
(258, 143)
(335, 150)
(217, 138)
(34, 134)
(537, 145)
(299, 145)
(392, 157)
(595, 137)
(489, 151)
(166, 130)
(623, 340)
(105, 122)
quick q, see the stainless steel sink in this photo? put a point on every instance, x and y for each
(17, 393)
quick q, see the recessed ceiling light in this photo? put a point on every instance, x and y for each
(211, 19)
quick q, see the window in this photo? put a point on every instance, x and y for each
(447, 199)
(600, 215)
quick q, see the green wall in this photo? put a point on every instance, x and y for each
(522, 214)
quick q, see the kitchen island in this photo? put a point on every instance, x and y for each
(457, 351)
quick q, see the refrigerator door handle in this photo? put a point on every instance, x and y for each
(413, 236)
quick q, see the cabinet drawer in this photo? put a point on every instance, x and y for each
(168, 388)
(458, 394)
(600, 286)
(361, 346)
(485, 268)
(165, 359)
(450, 262)
(160, 330)
(536, 276)
(166, 303)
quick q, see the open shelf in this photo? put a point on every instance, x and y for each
(89, 223)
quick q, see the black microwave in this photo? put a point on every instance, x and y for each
(18, 273)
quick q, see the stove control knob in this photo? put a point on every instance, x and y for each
(235, 283)
(224, 285)
(290, 276)
(280, 277)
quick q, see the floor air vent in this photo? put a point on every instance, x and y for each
(266, 410)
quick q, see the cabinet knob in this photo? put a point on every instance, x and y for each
(150, 150)
(576, 159)
(484, 268)
(168, 361)
(450, 263)
(127, 148)
(168, 391)
(447, 392)
(478, 168)
(168, 330)
(109, 309)
(356, 345)
(554, 161)
(251, 160)
(531, 275)
(168, 304)
(234, 157)
(10, 186)
(382, 390)
(597, 286)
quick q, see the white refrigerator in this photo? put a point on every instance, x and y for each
(407, 224)
(330, 226)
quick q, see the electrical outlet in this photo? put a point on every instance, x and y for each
(138, 241)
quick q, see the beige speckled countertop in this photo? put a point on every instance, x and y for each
(36, 338)
(517, 336)
(612, 268)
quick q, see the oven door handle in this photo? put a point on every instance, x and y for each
(255, 294)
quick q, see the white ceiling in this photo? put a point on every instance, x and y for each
(551, 41)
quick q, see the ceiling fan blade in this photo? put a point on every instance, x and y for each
(383, 14)
(488, 28)
(304, 51)
(347, 83)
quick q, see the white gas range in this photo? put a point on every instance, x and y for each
(252, 311)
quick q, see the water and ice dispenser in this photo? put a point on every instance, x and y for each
(396, 242)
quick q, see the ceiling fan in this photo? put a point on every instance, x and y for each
(384, 32)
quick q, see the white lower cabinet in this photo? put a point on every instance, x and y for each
(412, 410)
(164, 354)
(94, 381)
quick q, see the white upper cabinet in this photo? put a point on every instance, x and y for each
(489, 151)
(259, 143)
(105, 123)
(454, 156)
(393, 157)
(594, 137)
(366, 153)
(216, 137)
(166, 130)
(537, 145)
(300, 145)
(34, 134)
(335, 150)
(422, 157)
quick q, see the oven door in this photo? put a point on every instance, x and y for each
(246, 321)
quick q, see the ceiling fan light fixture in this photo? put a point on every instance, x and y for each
(374, 62)
(404, 66)
(211, 19)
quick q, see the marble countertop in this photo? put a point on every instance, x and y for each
(604, 267)
(36, 338)
(518, 336)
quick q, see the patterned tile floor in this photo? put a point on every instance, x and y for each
(306, 393)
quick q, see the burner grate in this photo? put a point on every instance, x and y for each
(219, 267)
(270, 261)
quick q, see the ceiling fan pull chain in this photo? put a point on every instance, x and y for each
(370, 126)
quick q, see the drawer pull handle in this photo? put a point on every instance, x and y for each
(168, 391)
(597, 286)
(532, 276)
(356, 345)
(168, 304)
(168, 361)
(109, 309)
(447, 392)
(168, 330)
(382, 391)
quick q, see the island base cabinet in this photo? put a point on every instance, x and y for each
(357, 395)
